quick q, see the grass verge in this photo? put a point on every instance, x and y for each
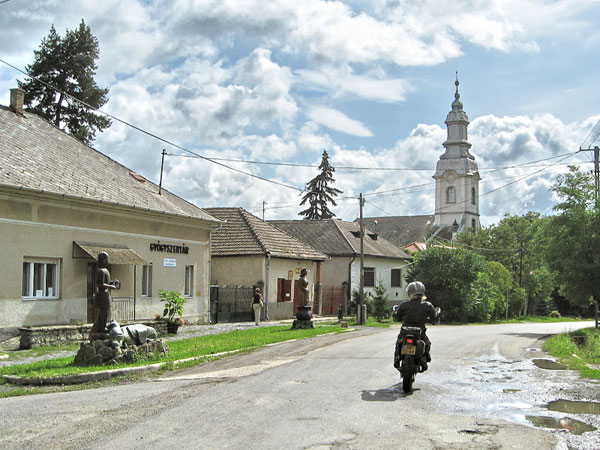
(241, 340)
(579, 350)
(371, 322)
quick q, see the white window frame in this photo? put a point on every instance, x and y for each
(147, 281)
(188, 290)
(28, 291)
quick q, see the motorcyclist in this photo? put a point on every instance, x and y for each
(415, 313)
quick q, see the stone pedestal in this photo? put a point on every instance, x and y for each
(302, 324)
(303, 318)
(102, 352)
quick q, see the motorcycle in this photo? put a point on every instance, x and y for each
(410, 349)
(412, 354)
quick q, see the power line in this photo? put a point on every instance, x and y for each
(152, 135)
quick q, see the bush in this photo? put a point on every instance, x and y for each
(381, 307)
(367, 300)
(555, 314)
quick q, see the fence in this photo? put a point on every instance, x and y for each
(333, 297)
(122, 309)
(231, 304)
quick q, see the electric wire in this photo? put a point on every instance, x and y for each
(152, 135)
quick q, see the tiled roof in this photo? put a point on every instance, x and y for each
(246, 234)
(339, 238)
(34, 154)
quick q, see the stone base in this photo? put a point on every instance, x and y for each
(302, 324)
(99, 353)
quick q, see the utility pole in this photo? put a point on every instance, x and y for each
(162, 163)
(596, 151)
(361, 316)
(264, 203)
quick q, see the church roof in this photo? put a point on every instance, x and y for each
(404, 230)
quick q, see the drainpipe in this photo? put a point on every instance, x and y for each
(349, 296)
(210, 232)
(267, 286)
(134, 289)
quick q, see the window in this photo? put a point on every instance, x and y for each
(396, 277)
(189, 281)
(451, 195)
(40, 278)
(147, 281)
(369, 276)
(473, 199)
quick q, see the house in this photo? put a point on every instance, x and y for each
(456, 192)
(340, 241)
(248, 252)
(61, 203)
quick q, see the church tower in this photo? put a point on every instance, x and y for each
(457, 175)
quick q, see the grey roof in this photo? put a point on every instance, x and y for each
(339, 238)
(36, 155)
(404, 230)
(246, 234)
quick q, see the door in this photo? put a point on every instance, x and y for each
(92, 269)
(284, 290)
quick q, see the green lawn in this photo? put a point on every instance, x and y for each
(240, 340)
(583, 356)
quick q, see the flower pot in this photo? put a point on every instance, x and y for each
(304, 313)
(172, 327)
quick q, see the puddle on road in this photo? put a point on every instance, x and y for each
(566, 423)
(574, 407)
(549, 364)
(511, 391)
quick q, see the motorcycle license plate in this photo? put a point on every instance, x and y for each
(409, 350)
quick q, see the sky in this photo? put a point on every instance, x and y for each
(249, 82)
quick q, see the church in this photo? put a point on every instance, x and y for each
(456, 193)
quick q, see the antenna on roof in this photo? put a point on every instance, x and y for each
(162, 163)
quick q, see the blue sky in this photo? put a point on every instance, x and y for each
(371, 82)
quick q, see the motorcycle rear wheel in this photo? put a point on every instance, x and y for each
(407, 384)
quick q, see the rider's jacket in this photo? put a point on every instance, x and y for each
(415, 313)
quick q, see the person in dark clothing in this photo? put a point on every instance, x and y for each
(415, 312)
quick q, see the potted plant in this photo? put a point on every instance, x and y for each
(173, 307)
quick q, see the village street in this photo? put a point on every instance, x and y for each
(482, 391)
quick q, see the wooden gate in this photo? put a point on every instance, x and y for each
(333, 299)
(231, 304)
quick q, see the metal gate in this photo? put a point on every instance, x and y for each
(122, 309)
(231, 304)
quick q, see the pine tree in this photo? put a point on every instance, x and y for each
(68, 64)
(319, 194)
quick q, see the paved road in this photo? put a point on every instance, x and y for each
(328, 392)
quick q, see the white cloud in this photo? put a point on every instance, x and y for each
(338, 121)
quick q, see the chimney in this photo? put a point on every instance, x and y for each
(17, 97)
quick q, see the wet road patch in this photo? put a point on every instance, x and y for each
(548, 364)
(566, 423)
(574, 407)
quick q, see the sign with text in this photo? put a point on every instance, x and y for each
(169, 262)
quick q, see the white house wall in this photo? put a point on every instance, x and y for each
(383, 272)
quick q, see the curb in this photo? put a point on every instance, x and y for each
(106, 374)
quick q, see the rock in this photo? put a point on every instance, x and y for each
(101, 352)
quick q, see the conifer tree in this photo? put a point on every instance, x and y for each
(319, 193)
(68, 64)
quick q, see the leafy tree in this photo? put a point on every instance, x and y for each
(487, 297)
(448, 274)
(572, 244)
(68, 64)
(319, 193)
(514, 242)
(381, 306)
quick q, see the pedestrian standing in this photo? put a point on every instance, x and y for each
(257, 304)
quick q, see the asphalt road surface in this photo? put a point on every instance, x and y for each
(482, 391)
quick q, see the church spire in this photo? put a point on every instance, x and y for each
(457, 175)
